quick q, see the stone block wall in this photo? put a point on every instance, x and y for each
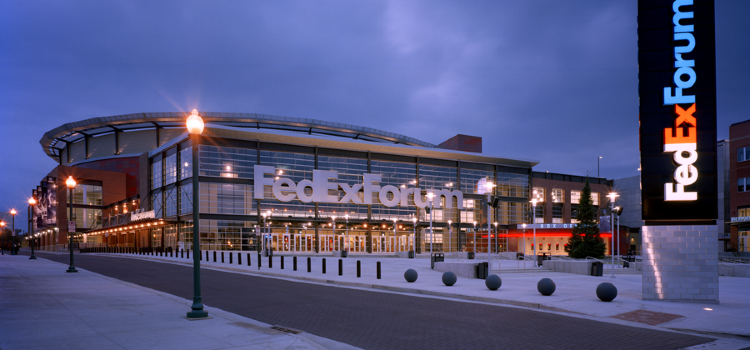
(680, 263)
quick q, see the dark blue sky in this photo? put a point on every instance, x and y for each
(553, 81)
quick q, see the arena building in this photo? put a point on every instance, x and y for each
(308, 186)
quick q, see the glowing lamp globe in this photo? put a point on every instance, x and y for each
(70, 182)
(32, 201)
(195, 123)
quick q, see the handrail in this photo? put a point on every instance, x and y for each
(734, 260)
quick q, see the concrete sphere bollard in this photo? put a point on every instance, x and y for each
(493, 282)
(606, 291)
(546, 286)
(449, 278)
(410, 275)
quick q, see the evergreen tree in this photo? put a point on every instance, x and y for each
(586, 240)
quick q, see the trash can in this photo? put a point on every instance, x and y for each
(625, 264)
(344, 253)
(597, 268)
(436, 257)
(483, 270)
(471, 255)
(411, 254)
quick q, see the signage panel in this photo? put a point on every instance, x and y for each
(319, 190)
(677, 90)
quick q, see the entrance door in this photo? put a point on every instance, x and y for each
(297, 246)
(285, 243)
(308, 244)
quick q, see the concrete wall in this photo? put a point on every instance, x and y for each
(462, 269)
(568, 266)
(734, 270)
(680, 263)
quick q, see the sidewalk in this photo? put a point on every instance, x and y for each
(45, 308)
(575, 294)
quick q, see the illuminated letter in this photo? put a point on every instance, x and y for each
(405, 196)
(449, 195)
(260, 179)
(278, 190)
(350, 193)
(321, 186)
(383, 196)
(301, 186)
(370, 188)
(678, 28)
(418, 198)
(669, 99)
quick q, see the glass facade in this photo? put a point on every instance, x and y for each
(227, 189)
(186, 163)
(350, 172)
(225, 235)
(226, 162)
(170, 169)
(186, 199)
(513, 185)
(87, 218)
(156, 175)
(294, 166)
(170, 201)
(400, 175)
(230, 199)
(87, 195)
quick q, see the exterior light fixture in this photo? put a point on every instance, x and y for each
(195, 123)
(71, 184)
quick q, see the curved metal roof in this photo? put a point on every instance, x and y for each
(71, 132)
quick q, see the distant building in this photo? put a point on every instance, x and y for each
(463, 143)
(739, 174)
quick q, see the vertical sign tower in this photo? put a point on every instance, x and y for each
(677, 91)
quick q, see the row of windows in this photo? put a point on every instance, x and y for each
(237, 199)
(87, 194)
(558, 195)
(232, 162)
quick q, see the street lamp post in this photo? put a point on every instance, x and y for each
(32, 202)
(533, 204)
(195, 126)
(13, 232)
(597, 166)
(267, 243)
(2, 230)
(431, 197)
(333, 228)
(395, 234)
(346, 245)
(489, 186)
(414, 222)
(450, 236)
(612, 196)
(524, 247)
(71, 184)
(475, 237)
(497, 239)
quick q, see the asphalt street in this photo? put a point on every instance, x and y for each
(382, 320)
